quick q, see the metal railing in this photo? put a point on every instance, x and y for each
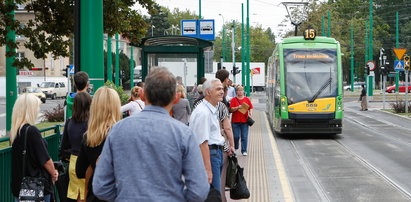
(51, 135)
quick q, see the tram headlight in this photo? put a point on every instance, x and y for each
(283, 99)
(283, 108)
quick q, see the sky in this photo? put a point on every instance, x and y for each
(267, 13)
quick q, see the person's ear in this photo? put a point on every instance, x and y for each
(142, 95)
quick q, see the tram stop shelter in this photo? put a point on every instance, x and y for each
(183, 56)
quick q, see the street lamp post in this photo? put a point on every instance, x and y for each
(233, 52)
(223, 38)
(152, 30)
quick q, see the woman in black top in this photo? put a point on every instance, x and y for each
(38, 161)
(102, 117)
(74, 130)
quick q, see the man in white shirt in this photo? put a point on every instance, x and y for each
(206, 127)
(231, 91)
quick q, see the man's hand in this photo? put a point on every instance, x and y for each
(231, 151)
(55, 176)
(210, 176)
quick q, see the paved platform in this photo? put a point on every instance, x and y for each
(263, 169)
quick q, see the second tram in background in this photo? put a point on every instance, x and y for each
(304, 85)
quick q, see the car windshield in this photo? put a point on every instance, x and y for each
(310, 74)
(47, 85)
(31, 90)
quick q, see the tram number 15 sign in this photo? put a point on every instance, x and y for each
(309, 34)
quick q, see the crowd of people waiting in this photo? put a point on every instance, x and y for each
(163, 150)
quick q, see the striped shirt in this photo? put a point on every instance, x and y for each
(221, 107)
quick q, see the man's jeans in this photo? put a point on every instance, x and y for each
(216, 159)
(240, 130)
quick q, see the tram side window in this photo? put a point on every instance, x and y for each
(277, 85)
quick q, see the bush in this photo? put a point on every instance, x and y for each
(399, 106)
(123, 96)
(55, 115)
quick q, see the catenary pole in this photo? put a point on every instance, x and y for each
(233, 51)
(247, 75)
(397, 35)
(199, 9)
(117, 64)
(352, 58)
(11, 83)
(329, 24)
(91, 34)
(242, 46)
(322, 26)
(109, 59)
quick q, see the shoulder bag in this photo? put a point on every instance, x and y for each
(31, 188)
(250, 121)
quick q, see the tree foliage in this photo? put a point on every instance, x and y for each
(262, 43)
(51, 31)
(356, 13)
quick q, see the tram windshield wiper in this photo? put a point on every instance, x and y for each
(327, 83)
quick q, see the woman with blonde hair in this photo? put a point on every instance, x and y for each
(102, 117)
(182, 110)
(136, 104)
(25, 136)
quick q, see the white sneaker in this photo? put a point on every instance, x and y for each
(245, 154)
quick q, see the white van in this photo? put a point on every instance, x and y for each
(54, 89)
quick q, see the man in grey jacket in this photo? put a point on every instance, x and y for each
(151, 156)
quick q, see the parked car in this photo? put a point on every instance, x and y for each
(357, 85)
(54, 89)
(401, 88)
(37, 92)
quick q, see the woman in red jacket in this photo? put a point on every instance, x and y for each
(241, 108)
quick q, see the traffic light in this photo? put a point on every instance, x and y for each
(219, 66)
(235, 70)
(407, 63)
(66, 70)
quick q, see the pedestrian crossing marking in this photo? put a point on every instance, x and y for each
(399, 65)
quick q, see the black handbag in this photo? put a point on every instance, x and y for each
(241, 190)
(31, 188)
(231, 173)
(213, 195)
(250, 121)
(63, 180)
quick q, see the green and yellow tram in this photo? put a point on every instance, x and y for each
(304, 85)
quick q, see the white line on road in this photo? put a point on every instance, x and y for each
(3, 115)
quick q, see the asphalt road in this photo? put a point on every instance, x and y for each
(369, 161)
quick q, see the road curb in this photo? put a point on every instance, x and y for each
(394, 114)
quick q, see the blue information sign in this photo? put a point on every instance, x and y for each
(203, 29)
(189, 28)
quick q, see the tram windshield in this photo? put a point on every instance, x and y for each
(310, 74)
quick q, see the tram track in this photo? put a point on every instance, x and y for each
(314, 177)
(373, 128)
(377, 171)
(310, 174)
